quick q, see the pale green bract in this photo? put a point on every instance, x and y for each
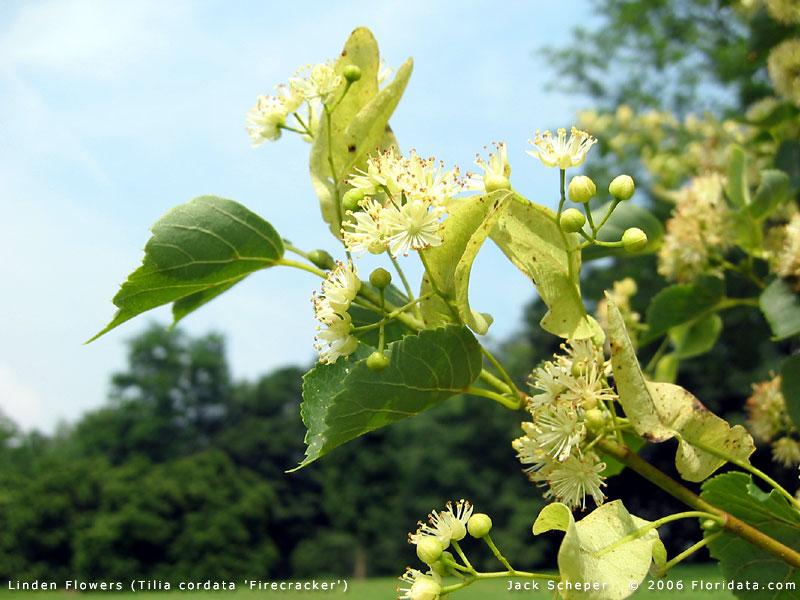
(616, 573)
(359, 125)
(662, 411)
(529, 236)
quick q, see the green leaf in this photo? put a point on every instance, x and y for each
(529, 236)
(346, 399)
(696, 338)
(626, 215)
(666, 370)
(198, 250)
(790, 387)
(771, 514)
(580, 559)
(661, 411)
(788, 160)
(737, 189)
(781, 307)
(771, 193)
(359, 125)
(780, 113)
(467, 226)
(682, 303)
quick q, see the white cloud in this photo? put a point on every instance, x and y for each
(18, 400)
(88, 37)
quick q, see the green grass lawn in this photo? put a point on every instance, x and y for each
(379, 589)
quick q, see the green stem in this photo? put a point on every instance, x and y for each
(504, 400)
(293, 249)
(588, 211)
(334, 176)
(287, 262)
(408, 320)
(404, 280)
(635, 535)
(503, 373)
(691, 550)
(734, 525)
(608, 214)
(303, 124)
(462, 556)
(497, 554)
(562, 200)
(391, 315)
(382, 327)
(497, 575)
(750, 469)
(290, 128)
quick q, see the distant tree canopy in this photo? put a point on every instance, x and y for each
(680, 55)
(182, 475)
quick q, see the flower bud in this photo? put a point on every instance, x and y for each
(321, 259)
(440, 568)
(479, 525)
(634, 239)
(425, 588)
(493, 183)
(377, 361)
(572, 220)
(352, 73)
(595, 420)
(581, 189)
(380, 278)
(621, 187)
(429, 550)
(352, 198)
(709, 525)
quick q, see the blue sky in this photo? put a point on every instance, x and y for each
(113, 112)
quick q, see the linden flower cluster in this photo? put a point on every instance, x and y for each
(698, 231)
(400, 203)
(432, 538)
(331, 306)
(671, 150)
(571, 396)
(621, 294)
(783, 65)
(786, 261)
(769, 421)
(560, 151)
(312, 85)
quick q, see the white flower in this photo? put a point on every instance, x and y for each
(407, 178)
(496, 170)
(265, 119)
(562, 152)
(365, 233)
(339, 289)
(557, 431)
(336, 339)
(447, 525)
(424, 586)
(413, 226)
(549, 379)
(321, 82)
(529, 452)
(574, 479)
